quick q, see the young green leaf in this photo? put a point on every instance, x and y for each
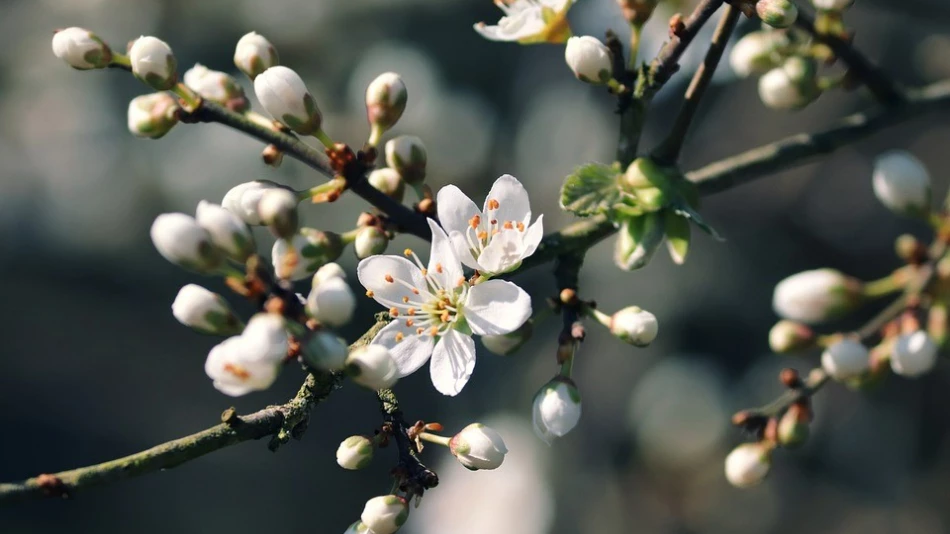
(590, 189)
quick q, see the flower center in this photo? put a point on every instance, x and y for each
(479, 235)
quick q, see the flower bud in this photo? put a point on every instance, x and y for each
(81, 49)
(748, 464)
(789, 336)
(355, 452)
(228, 232)
(638, 240)
(216, 86)
(325, 351)
(237, 370)
(204, 311)
(644, 173)
(311, 250)
(635, 326)
(407, 155)
(902, 183)
(254, 54)
(846, 359)
(154, 63)
(386, 98)
(794, 85)
(478, 447)
(328, 272)
(389, 182)
(331, 301)
(372, 366)
(277, 208)
(370, 240)
(243, 199)
(385, 514)
(793, 427)
(358, 528)
(180, 240)
(914, 354)
(816, 296)
(589, 59)
(757, 52)
(505, 344)
(283, 94)
(777, 13)
(152, 116)
(557, 409)
(832, 5)
(266, 337)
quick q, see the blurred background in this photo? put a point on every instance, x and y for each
(93, 365)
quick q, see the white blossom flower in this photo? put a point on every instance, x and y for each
(530, 21)
(497, 238)
(181, 240)
(228, 232)
(635, 326)
(846, 359)
(901, 182)
(385, 514)
(589, 59)
(478, 447)
(216, 86)
(254, 54)
(153, 62)
(436, 311)
(81, 49)
(251, 361)
(283, 94)
(242, 199)
(152, 116)
(373, 367)
(310, 249)
(331, 301)
(205, 311)
(748, 464)
(914, 354)
(557, 409)
(355, 452)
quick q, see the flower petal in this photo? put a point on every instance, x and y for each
(532, 237)
(496, 307)
(444, 265)
(455, 209)
(513, 204)
(503, 254)
(461, 246)
(453, 361)
(520, 24)
(375, 272)
(410, 351)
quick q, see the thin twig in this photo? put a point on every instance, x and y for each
(414, 477)
(666, 63)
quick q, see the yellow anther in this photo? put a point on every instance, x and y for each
(474, 221)
(407, 252)
(434, 331)
(493, 204)
(482, 235)
(405, 300)
(509, 226)
(425, 272)
(410, 312)
(521, 227)
(420, 330)
(399, 337)
(410, 322)
(369, 293)
(445, 316)
(239, 372)
(393, 312)
(388, 278)
(415, 291)
(438, 268)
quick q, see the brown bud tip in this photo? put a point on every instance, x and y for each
(568, 296)
(229, 416)
(790, 379)
(272, 155)
(366, 219)
(435, 427)
(426, 206)
(677, 26)
(274, 305)
(52, 485)
(771, 431)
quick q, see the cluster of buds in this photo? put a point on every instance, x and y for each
(202, 243)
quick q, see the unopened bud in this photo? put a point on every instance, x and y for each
(793, 428)
(216, 86)
(557, 409)
(644, 173)
(757, 52)
(372, 366)
(358, 528)
(310, 249)
(386, 98)
(638, 240)
(228, 232)
(832, 5)
(385, 514)
(272, 156)
(254, 54)
(355, 452)
(204, 311)
(328, 272)
(242, 199)
(914, 354)
(635, 326)
(81, 49)
(816, 296)
(589, 59)
(789, 336)
(154, 63)
(389, 181)
(331, 301)
(902, 183)
(505, 344)
(777, 13)
(152, 116)
(283, 94)
(325, 351)
(407, 155)
(478, 447)
(181, 240)
(748, 464)
(277, 208)
(845, 360)
(794, 85)
(370, 240)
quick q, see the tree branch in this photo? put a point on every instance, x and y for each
(666, 63)
(414, 477)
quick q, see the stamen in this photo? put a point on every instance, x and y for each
(434, 331)
(493, 204)
(410, 322)
(494, 222)
(393, 312)
(445, 316)
(425, 272)
(239, 372)
(399, 337)
(521, 227)
(388, 278)
(369, 293)
(483, 235)
(509, 226)
(410, 312)
(407, 252)
(475, 221)
(405, 300)
(420, 330)
(438, 268)
(415, 291)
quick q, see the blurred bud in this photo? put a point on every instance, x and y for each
(793, 85)
(757, 52)
(355, 452)
(283, 94)
(386, 98)
(266, 336)
(557, 409)
(325, 351)
(254, 54)
(909, 248)
(235, 370)
(331, 301)
(634, 326)
(777, 13)
(372, 366)
(204, 311)
(914, 354)
(846, 359)
(370, 240)
(638, 240)
(81, 49)
(152, 116)
(328, 272)
(277, 208)
(816, 296)
(313, 249)
(407, 155)
(358, 528)
(389, 182)
(902, 183)
(181, 240)
(216, 86)
(793, 428)
(242, 199)
(789, 336)
(478, 447)
(228, 232)
(748, 464)
(637, 11)
(272, 156)
(589, 59)
(154, 63)
(506, 344)
(385, 514)
(832, 5)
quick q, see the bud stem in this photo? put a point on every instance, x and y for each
(601, 317)
(323, 192)
(375, 135)
(636, 28)
(190, 99)
(883, 287)
(567, 367)
(347, 238)
(615, 86)
(324, 138)
(120, 61)
(434, 438)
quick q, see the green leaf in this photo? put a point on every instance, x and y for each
(638, 240)
(677, 236)
(683, 209)
(590, 189)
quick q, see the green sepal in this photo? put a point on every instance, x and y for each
(677, 236)
(638, 240)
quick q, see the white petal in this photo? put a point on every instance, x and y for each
(519, 24)
(411, 352)
(453, 361)
(373, 272)
(455, 209)
(512, 201)
(460, 244)
(496, 307)
(532, 237)
(503, 254)
(444, 265)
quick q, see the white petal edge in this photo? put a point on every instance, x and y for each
(372, 272)
(453, 361)
(532, 237)
(497, 307)
(455, 209)
(512, 200)
(444, 265)
(411, 353)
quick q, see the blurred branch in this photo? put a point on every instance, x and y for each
(666, 63)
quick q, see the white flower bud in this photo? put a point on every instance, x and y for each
(81, 49)
(370, 241)
(180, 240)
(373, 367)
(355, 452)
(216, 86)
(902, 183)
(846, 359)
(283, 94)
(154, 63)
(358, 528)
(386, 98)
(635, 326)
(204, 311)
(328, 272)
(331, 301)
(589, 59)
(237, 370)
(792, 86)
(832, 5)
(557, 409)
(757, 52)
(914, 354)
(407, 155)
(478, 447)
(505, 344)
(816, 296)
(242, 199)
(266, 337)
(385, 514)
(228, 232)
(311, 249)
(788, 336)
(777, 13)
(748, 464)
(254, 54)
(325, 351)
(152, 116)
(389, 182)
(277, 208)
